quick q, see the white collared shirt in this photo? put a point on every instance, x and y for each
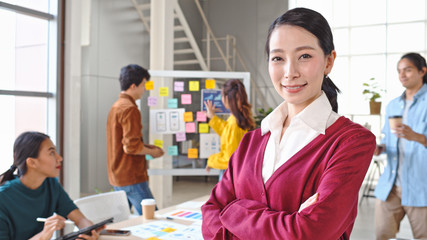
(304, 127)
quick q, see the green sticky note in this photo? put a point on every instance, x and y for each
(173, 150)
(173, 103)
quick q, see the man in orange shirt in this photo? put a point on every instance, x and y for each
(126, 163)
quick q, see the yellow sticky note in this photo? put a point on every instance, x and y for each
(168, 230)
(158, 143)
(203, 128)
(192, 153)
(194, 86)
(210, 83)
(149, 85)
(188, 116)
(164, 91)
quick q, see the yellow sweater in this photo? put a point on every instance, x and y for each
(230, 135)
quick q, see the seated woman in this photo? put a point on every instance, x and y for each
(35, 192)
(297, 177)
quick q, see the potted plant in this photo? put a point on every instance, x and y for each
(372, 92)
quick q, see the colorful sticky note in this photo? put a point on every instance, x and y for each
(190, 127)
(186, 99)
(179, 86)
(210, 83)
(148, 157)
(173, 103)
(180, 136)
(158, 143)
(188, 116)
(194, 86)
(203, 128)
(149, 85)
(173, 150)
(193, 153)
(152, 101)
(201, 117)
(164, 91)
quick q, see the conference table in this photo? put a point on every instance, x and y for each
(193, 204)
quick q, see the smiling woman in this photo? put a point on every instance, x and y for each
(38, 165)
(288, 179)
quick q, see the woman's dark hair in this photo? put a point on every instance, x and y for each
(132, 74)
(234, 91)
(26, 145)
(317, 25)
(419, 62)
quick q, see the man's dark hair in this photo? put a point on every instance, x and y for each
(132, 74)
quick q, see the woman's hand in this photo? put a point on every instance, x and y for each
(208, 169)
(94, 236)
(53, 223)
(210, 109)
(310, 201)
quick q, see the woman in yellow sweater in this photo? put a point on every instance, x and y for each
(231, 131)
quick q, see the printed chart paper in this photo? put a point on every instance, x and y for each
(213, 95)
(166, 121)
(209, 144)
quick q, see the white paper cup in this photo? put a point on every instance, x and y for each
(148, 208)
(394, 121)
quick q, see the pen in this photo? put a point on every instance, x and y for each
(39, 219)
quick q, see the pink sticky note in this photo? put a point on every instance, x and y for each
(180, 136)
(186, 99)
(152, 101)
(179, 86)
(190, 127)
(201, 117)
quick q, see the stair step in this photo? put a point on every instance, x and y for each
(145, 6)
(183, 51)
(186, 62)
(178, 28)
(181, 40)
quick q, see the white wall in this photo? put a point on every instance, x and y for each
(248, 21)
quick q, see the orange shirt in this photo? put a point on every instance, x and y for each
(124, 128)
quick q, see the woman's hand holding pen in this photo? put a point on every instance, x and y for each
(53, 223)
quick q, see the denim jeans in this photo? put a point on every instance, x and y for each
(135, 193)
(221, 173)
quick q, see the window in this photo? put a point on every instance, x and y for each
(370, 37)
(28, 71)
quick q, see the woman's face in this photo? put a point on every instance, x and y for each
(409, 75)
(48, 163)
(297, 65)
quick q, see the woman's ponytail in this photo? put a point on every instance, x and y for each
(331, 91)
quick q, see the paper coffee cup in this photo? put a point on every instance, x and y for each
(148, 208)
(394, 122)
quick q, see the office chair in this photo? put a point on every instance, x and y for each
(101, 206)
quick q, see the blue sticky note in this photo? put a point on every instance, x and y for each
(148, 157)
(173, 150)
(173, 103)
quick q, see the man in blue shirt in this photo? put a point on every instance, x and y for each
(402, 188)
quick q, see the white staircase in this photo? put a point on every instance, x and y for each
(186, 50)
